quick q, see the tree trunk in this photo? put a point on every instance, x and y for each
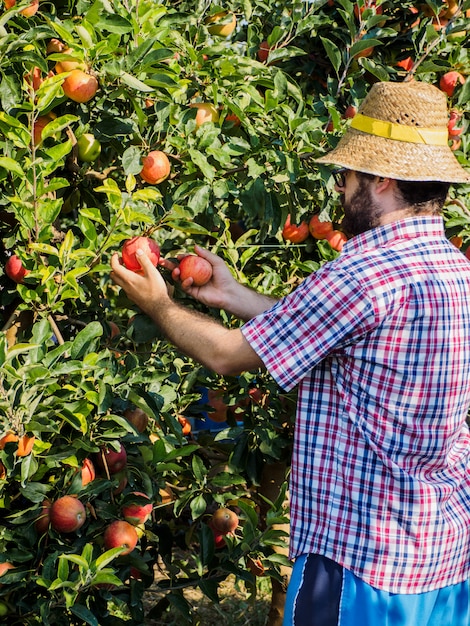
(273, 477)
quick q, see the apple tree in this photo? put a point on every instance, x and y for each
(189, 122)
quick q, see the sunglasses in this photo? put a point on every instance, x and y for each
(340, 176)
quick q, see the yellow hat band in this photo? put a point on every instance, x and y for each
(398, 132)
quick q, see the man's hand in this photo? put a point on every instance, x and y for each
(147, 289)
(218, 291)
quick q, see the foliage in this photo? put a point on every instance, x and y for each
(67, 377)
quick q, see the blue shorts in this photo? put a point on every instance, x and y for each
(323, 593)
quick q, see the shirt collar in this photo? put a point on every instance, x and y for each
(407, 228)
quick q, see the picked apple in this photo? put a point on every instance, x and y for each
(67, 514)
(130, 247)
(197, 268)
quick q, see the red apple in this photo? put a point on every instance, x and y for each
(120, 534)
(15, 269)
(263, 51)
(449, 82)
(224, 520)
(67, 514)
(336, 239)
(130, 247)
(4, 567)
(350, 112)
(197, 268)
(219, 540)
(29, 11)
(80, 86)
(206, 112)
(88, 472)
(155, 167)
(42, 522)
(292, 232)
(454, 118)
(109, 459)
(138, 418)
(136, 513)
(405, 64)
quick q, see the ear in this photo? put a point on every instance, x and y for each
(383, 184)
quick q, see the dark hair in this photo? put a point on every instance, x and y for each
(426, 197)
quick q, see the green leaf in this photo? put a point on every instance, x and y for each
(84, 614)
(85, 339)
(11, 165)
(333, 52)
(134, 83)
(198, 506)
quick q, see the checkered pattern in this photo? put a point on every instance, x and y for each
(378, 341)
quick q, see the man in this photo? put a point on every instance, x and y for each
(378, 343)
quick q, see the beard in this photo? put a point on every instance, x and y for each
(360, 212)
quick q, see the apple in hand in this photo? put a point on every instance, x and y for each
(130, 247)
(89, 148)
(137, 513)
(197, 268)
(67, 514)
(120, 534)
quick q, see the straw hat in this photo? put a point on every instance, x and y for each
(400, 131)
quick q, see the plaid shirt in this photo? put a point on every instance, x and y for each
(378, 341)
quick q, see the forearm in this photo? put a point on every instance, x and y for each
(245, 303)
(202, 338)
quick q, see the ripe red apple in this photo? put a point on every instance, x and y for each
(292, 232)
(120, 534)
(263, 51)
(15, 269)
(319, 229)
(449, 82)
(186, 426)
(206, 112)
(88, 472)
(221, 24)
(110, 459)
(454, 118)
(55, 45)
(224, 520)
(39, 125)
(89, 148)
(29, 11)
(350, 112)
(42, 522)
(5, 566)
(130, 247)
(136, 513)
(67, 514)
(219, 540)
(197, 268)
(336, 239)
(155, 167)
(80, 86)
(138, 418)
(405, 64)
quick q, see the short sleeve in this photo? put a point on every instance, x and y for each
(326, 312)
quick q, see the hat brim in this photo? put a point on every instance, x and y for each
(400, 160)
